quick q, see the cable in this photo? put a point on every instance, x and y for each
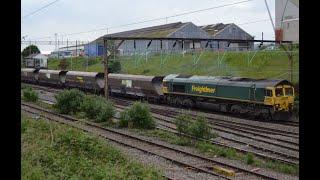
(155, 19)
(40, 9)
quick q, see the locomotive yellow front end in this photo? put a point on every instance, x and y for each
(281, 98)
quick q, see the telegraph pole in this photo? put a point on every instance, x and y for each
(105, 60)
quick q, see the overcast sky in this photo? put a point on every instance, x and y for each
(71, 16)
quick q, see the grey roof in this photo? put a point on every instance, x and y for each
(153, 31)
(31, 56)
(213, 29)
(227, 80)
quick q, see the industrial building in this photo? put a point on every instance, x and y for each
(228, 31)
(69, 51)
(287, 20)
(36, 61)
(173, 30)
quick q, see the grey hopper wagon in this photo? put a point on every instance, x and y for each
(29, 75)
(93, 81)
(136, 85)
(52, 77)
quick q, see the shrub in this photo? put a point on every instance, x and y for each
(249, 159)
(182, 123)
(114, 66)
(124, 119)
(63, 64)
(139, 116)
(69, 101)
(91, 106)
(97, 109)
(200, 128)
(30, 95)
(106, 112)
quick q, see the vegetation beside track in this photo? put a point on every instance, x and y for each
(270, 64)
(54, 151)
(137, 116)
(29, 95)
(201, 146)
(214, 150)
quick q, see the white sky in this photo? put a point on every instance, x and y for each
(70, 16)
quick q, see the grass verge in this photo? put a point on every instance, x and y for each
(55, 151)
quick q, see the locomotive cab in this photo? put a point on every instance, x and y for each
(281, 97)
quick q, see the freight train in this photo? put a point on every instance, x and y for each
(266, 98)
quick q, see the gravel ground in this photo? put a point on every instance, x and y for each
(224, 138)
(223, 160)
(235, 119)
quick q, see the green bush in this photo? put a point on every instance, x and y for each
(138, 115)
(200, 128)
(91, 106)
(124, 119)
(30, 95)
(114, 66)
(106, 112)
(97, 108)
(182, 123)
(249, 159)
(69, 101)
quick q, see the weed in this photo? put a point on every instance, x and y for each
(30, 95)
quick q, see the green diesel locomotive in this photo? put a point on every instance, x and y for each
(258, 97)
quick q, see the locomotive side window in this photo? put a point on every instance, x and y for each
(288, 91)
(178, 88)
(268, 92)
(279, 92)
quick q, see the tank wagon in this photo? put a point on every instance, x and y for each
(259, 97)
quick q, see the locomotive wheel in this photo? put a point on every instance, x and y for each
(178, 102)
(188, 103)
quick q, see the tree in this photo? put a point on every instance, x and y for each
(32, 49)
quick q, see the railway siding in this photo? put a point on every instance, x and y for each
(248, 174)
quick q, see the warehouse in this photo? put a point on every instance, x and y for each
(36, 61)
(172, 30)
(228, 31)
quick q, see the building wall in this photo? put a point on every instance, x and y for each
(232, 32)
(290, 25)
(187, 31)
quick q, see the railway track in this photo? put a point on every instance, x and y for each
(147, 146)
(229, 127)
(247, 126)
(283, 157)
